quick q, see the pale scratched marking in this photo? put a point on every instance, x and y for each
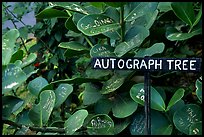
(11, 85)
(196, 131)
(178, 35)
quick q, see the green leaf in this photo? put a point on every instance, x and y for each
(141, 9)
(112, 84)
(50, 12)
(123, 106)
(95, 24)
(97, 73)
(159, 124)
(75, 121)
(173, 35)
(12, 78)
(154, 49)
(8, 44)
(73, 48)
(23, 118)
(100, 124)
(199, 89)
(137, 94)
(121, 125)
(133, 38)
(175, 107)
(184, 11)
(61, 93)
(196, 128)
(102, 51)
(103, 106)
(17, 56)
(22, 131)
(91, 94)
(185, 117)
(10, 104)
(115, 4)
(41, 112)
(175, 98)
(31, 58)
(198, 17)
(99, 5)
(69, 24)
(36, 85)
(164, 6)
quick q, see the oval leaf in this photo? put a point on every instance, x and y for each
(186, 116)
(75, 121)
(175, 98)
(137, 94)
(100, 124)
(103, 106)
(31, 58)
(95, 24)
(61, 93)
(123, 106)
(159, 124)
(36, 85)
(199, 89)
(41, 112)
(102, 51)
(184, 11)
(12, 78)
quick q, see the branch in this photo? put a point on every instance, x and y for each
(39, 129)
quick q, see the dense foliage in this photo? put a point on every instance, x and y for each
(49, 86)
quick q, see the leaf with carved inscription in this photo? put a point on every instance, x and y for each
(185, 117)
(196, 128)
(100, 124)
(41, 112)
(102, 51)
(95, 24)
(75, 121)
(61, 93)
(137, 94)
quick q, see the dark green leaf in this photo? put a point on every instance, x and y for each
(196, 129)
(69, 24)
(75, 121)
(137, 94)
(24, 119)
(199, 89)
(103, 106)
(97, 73)
(115, 4)
(184, 11)
(36, 85)
(95, 24)
(12, 78)
(61, 93)
(185, 117)
(164, 6)
(121, 125)
(17, 56)
(102, 51)
(41, 112)
(100, 124)
(99, 5)
(198, 17)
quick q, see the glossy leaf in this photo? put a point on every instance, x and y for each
(154, 49)
(36, 85)
(97, 73)
(196, 128)
(8, 44)
(198, 17)
(73, 48)
(10, 104)
(175, 98)
(112, 84)
(69, 24)
(50, 12)
(184, 11)
(185, 117)
(199, 89)
(100, 124)
(159, 124)
(133, 38)
(41, 112)
(95, 24)
(31, 58)
(75, 121)
(24, 119)
(121, 125)
(164, 6)
(137, 94)
(61, 93)
(102, 51)
(103, 106)
(141, 9)
(123, 106)
(12, 78)
(115, 4)
(17, 56)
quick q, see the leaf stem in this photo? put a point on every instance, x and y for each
(87, 39)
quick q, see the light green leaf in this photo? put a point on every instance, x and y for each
(199, 89)
(137, 94)
(164, 6)
(154, 49)
(175, 98)
(31, 58)
(185, 117)
(61, 93)
(41, 112)
(8, 44)
(184, 11)
(12, 78)
(75, 121)
(95, 24)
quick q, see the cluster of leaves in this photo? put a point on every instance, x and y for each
(66, 96)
